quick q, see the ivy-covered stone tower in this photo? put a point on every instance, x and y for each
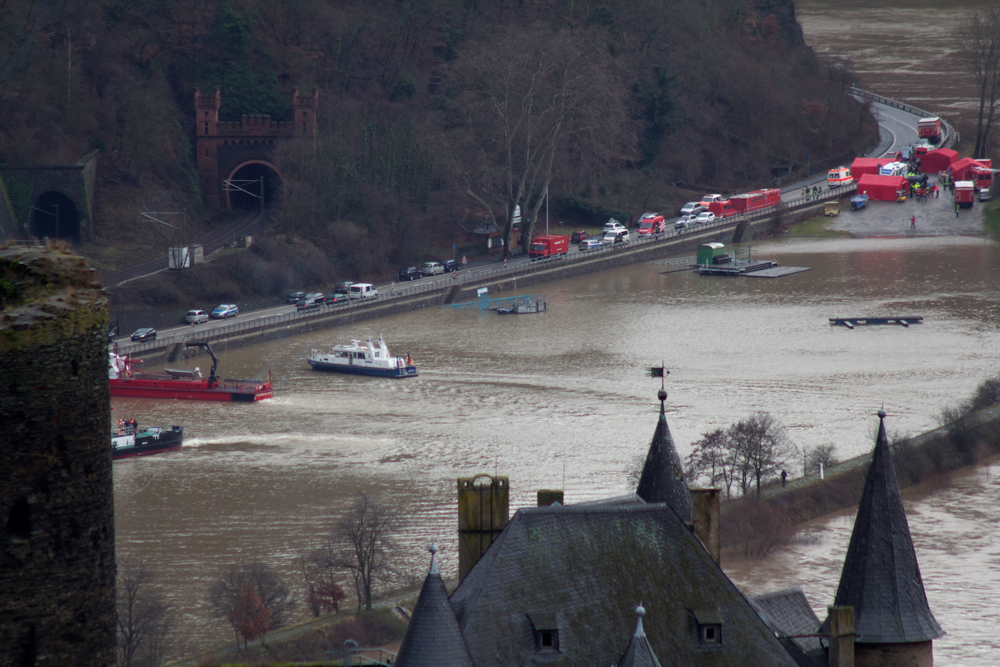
(57, 558)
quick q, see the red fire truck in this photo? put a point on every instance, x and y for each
(929, 128)
(965, 193)
(755, 201)
(651, 223)
(552, 245)
(722, 208)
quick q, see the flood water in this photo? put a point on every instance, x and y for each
(903, 50)
(560, 400)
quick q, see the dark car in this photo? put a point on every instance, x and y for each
(408, 273)
(343, 287)
(578, 235)
(450, 266)
(147, 333)
(293, 297)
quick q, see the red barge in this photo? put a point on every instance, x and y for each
(128, 380)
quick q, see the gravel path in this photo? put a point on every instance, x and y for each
(935, 217)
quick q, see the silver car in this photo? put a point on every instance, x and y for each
(196, 317)
(692, 208)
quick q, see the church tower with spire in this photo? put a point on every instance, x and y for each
(881, 578)
(662, 479)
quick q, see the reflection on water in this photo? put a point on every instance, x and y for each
(559, 400)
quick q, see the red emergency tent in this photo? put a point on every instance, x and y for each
(867, 165)
(976, 171)
(882, 188)
(937, 160)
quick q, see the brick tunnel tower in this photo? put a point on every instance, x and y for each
(223, 149)
(57, 551)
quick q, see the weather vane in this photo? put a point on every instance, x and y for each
(660, 372)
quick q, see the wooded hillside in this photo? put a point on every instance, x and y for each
(432, 112)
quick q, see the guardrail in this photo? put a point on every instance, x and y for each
(465, 277)
(949, 133)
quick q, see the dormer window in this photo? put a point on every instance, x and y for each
(546, 632)
(709, 625)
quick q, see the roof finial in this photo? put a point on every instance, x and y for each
(662, 373)
(433, 548)
(881, 412)
(640, 611)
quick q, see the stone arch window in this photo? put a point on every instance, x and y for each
(206, 129)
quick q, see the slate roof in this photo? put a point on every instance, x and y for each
(789, 614)
(639, 653)
(881, 578)
(433, 638)
(662, 479)
(584, 567)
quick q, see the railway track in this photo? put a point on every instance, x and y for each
(229, 231)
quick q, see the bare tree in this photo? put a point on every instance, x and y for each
(763, 446)
(821, 454)
(528, 97)
(320, 573)
(713, 457)
(225, 594)
(979, 41)
(362, 543)
(144, 616)
(249, 616)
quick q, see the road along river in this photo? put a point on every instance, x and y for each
(559, 400)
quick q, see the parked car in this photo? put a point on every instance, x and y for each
(984, 194)
(705, 217)
(293, 297)
(590, 244)
(686, 221)
(620, 236)
(409, 273)
(225, 310)
(613, 225)
(343, 287)
(316, 300)
(692, 208)
(432, 269)
(196, 317)
(147, 333)
(364, 290)
(578, 235)
(450, 265)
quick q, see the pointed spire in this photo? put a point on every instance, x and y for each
(662, 479)
(640, 611)
(433, 638)
(639, 653)
(881, 578)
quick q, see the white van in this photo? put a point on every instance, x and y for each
(362, 291)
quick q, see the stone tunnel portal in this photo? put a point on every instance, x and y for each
(251, 181)
(54, 215)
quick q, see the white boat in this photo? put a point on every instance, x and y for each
(366, 359)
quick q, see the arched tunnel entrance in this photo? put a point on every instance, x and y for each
(254, 185)
(54, 215)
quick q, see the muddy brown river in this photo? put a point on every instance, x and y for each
(560, 400)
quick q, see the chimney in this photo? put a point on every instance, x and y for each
(841, 622)
(548, 497)
(705, 520)
(483, 511)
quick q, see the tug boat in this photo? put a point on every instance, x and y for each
(366, 359)
(128, 441)
(128, 380)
